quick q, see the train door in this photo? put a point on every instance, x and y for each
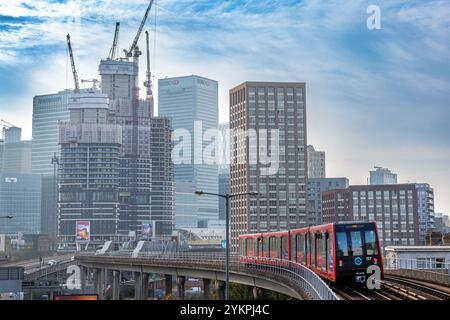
(329, 253)
(241, 247)
(283, 247)
(265, 247)
(306, 250)
(323, 244)
(311, 249)
(293, 248)
(260, 247)
(314, 250)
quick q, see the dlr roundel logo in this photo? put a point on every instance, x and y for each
(358, 261)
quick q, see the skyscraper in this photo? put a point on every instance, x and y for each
(146, 169)
(16, 152)
(2, 148)
(275, 166)
(20, 197)
(192, 104)
(382, 176)
(316, 163)
(48, 110)
(89, 169)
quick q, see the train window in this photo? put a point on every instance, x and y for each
(371, 243)
(243, 249)
(341, 244)
(357, 248)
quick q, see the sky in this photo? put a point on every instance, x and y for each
(376, 97)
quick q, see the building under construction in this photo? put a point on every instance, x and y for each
(137, 170)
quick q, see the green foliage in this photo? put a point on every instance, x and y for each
(239, 291)
(272, 295)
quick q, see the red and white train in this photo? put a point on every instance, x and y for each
(337, 252)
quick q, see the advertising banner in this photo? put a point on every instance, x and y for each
(83, 230)
(148, 230)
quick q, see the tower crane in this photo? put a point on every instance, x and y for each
(112, 52)
(134, 46)
(74, 70)
(9, 124)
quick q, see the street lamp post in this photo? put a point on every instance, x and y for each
(227, 232)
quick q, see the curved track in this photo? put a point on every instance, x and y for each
(421, 288)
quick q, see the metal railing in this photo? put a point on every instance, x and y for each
(421, 269)
(289, 274)
(46, 271)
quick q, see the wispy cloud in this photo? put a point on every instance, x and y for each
(386, 90)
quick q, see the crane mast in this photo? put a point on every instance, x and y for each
(129, 53)
(112, 52)
(74, 70)
(148, 82)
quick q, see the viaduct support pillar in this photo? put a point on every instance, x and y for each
(99, 282)
(168, 284)
(115, 285)
(137, 286)
(180, 287)
(83, 274)
(258, 293)
(207, 289)
(145, 278)
(220, 287)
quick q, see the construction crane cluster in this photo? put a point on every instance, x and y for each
(132, 52)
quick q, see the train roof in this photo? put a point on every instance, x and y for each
(252, 235)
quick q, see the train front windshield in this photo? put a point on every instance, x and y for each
(356, 241)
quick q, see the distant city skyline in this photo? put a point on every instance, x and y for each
(375, 97)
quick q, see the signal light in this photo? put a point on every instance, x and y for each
(341, 263)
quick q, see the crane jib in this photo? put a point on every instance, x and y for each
(136, 39)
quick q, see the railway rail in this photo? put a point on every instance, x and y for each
(422, 290)
(395, 288)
